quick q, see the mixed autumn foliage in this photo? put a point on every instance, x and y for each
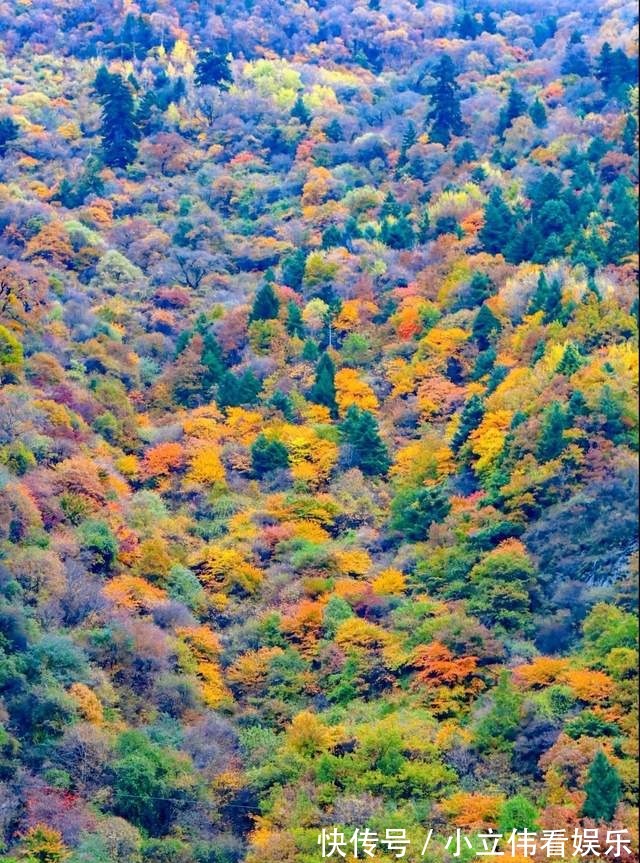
(318, 431)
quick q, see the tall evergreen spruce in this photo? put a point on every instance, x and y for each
(268, 455)
(300, 111)
(8, 132)
(119, 129)
(470, 419)
(266, 304)
(515, 107)
(538, 114)
(213, 70)
(498, 226)
(603, 788)
(444, 115)
(323, 391)
(359, 430)
(484, 325)
(546, 298)
(552, 441)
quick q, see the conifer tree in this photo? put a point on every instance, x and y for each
(577, 407)
(235, 390)
(546, 298)
(414, 510)
(294, 324)
(293, 269)
(538, 114)
(213, 70)
(611, 411)
(268, 455)
(466, 152)
(470, 419)
(623, 237)
(424, 226)
(444, 115)
(300, 111)
(359, 430)
(212, 359)
(119, 129)
(615, 71)
(570, 362)
(467, 26)
(333, 131)
(266, 304)
(515, 107)
(323, 391)
(630, 135)
(332, 237)
(551, 441)
(484, 325)
(498, 224)
(8, 133)
(488, 24)
(409, 138)
(397, 234)
(604, 789)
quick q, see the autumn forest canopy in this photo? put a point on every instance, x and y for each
(318, 424)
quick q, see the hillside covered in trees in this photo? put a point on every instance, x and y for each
(318, 425)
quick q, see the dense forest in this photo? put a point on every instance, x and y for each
(318, 425)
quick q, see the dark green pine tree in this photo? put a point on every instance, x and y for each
(310, 352)
(213, 70)
(424, 226)
(300, 111)
(479, 289)
(604, 67)
(408, 140)
(516, 106)
(119, 129)
(570, 362)
(538, 114)
(332, 237)
(359, 430)
(282, 402)
(293, 269)
(414, 510)
(484, 326)
(468, 26)
(323, 391)
(546, 298)
(333, 131)
(398, 234)
(615, 71)
(610, 409)
(498, 225)
(577, 407)
(603, 788)
(470, 419)
(623, 238)
(630, 135)
(551, 441)
(484, 364)
(488, 24)
(390, 206)
(237, 390)
(294, 324)
(268, 455)
(576, 60)
(266, 304)
(466, 152)
(444, 115)
(8, 133)
(212, 359)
